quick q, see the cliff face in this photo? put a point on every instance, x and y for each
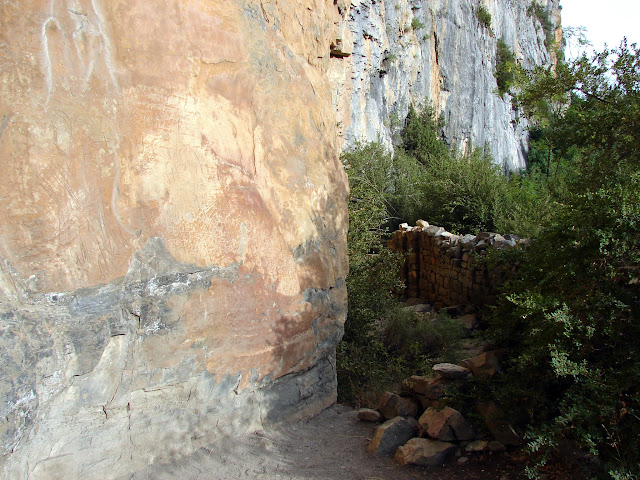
(437, 51)
(173, 229)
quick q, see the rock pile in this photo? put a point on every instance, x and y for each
(419, 429)
(442, 268)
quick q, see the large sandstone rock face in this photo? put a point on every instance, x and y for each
(173, 229)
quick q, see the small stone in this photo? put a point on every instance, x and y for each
(419, 308)
(463, 460)
(424, 451)
(434, 390)
(477, 446)
(428, 403)
(369, 415)
(392, 405)
(410, 302)
(415, 384)
(390, 435)
(469, 321)
(432, 230)
(484, 365)
(451, 371)
(495, 446)
(485, 235)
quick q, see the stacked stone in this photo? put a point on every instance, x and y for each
(420, 429)
(440, 267)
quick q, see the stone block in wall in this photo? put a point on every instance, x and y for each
(433, 230)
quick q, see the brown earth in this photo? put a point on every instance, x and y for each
(330, 446)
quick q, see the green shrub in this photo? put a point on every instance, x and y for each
(483, 16)
(416, 24)
(467, 193)
(422, 340)
(382, 343)
(571, 316)
(463, 193)
(506, 67)
(422, 135)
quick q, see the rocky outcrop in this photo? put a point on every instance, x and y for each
(172, 239)
(404, 51)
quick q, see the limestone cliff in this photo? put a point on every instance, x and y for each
(404, 51)
(173, 229)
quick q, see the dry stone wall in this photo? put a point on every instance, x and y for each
(446, 269)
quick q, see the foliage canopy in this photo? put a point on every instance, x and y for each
(573, 313)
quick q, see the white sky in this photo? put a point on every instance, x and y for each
(607, 21)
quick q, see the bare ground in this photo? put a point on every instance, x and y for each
(330, 446)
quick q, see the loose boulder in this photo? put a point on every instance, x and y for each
(501, 430)
(486, 364)
(469, 321)
(447, 425)
(390, 435)
(431, 388)
(450, 371)
(369, 415)
(424, 451)
(392, 405)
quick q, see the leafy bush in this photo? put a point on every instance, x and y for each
(416, 24)
(422, 339)
(572, 315)
(506, 67)
(483, 16)
(363, 363)
(382, 343)
(463, 193)
(422, 136)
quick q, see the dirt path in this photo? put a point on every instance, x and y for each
(330, 446)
